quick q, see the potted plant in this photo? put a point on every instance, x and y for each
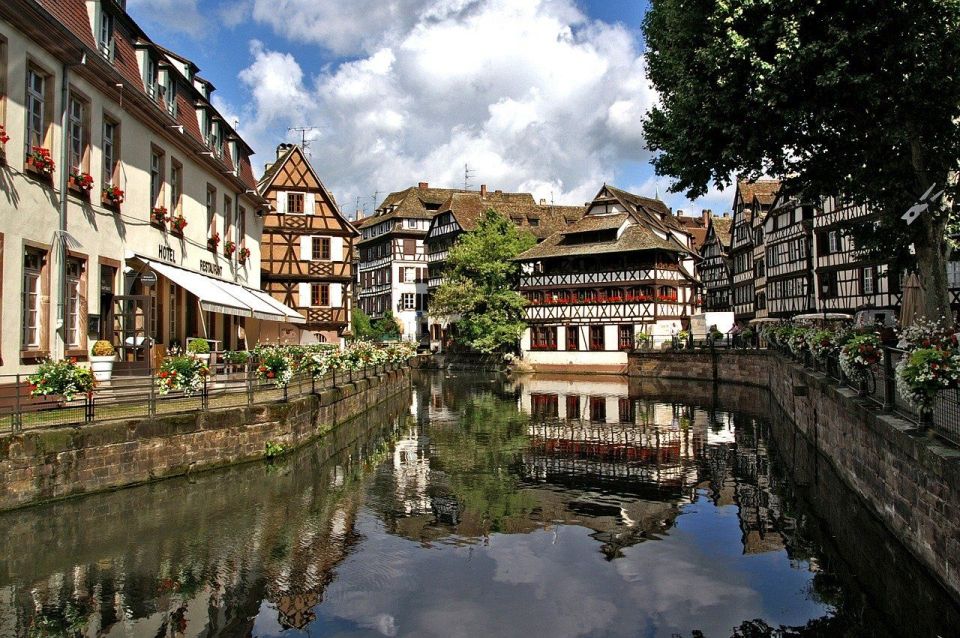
(199, 349)
(111, 196)
(924, 372)
(643, 340)
(80, 181)
(4, 138)
(229, 248)
(159, 216)
(275, 367)
(243, 255)
(102, 356)
(63, 378)
(213, 242)
(857, 355)
(39, 161)
(178, 223)
(236, 360)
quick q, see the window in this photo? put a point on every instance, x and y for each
(408, 301)
(170, 94)
(36, 108)
(543, 338)
(953, 274)
(868, 279)
(833, 241)
(241, 225)
(598, 409)
(573, 338)
(77, 134)
(544, 406)
(295, 202)
(627, 410)
(151, 77)
(111, 151)
(320, 294)
(411, 274)
(32, 322)
(105, 35)
(74, 321)
(625, 337)
(227, 216)
(156, 177)
(409, 246)
(828, 284)
(573, 406)
(211, 209)
(597, 341)
(320, 249)
(176, 186)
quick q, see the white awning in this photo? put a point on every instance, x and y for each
(226, 297)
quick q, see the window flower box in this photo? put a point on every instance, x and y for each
(243, 255)
(229, 248)
(177, 224)
(111, 196)
(4, 138)
(158, 216)
(40, 162)
(80, 182)
(213, 242)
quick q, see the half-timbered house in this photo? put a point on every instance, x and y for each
(751, 202)
(462, 212)
(624, 268)
(788, 232)
(848, 280)
(713, 270)
(306, 250)
(392, 265)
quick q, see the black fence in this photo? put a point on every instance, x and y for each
(227, 386)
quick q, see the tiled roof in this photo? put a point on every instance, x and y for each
(764, 190)
(73, 15)
(722, 227)
(635, 238)
(592, 223)
(410, 203)
(541, 220)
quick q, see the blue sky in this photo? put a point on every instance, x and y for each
(543, 96)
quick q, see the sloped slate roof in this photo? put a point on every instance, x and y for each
(410, 203)
(764, 190)
(635, 238)
(722, 227)
(592, 223)
(521, 208)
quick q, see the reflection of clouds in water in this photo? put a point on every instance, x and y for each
(385, 624)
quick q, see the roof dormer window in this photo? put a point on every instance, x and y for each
(105, 34)
(151, 77)
(169, 93)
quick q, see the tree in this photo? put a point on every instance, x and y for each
(479, 288)
(857, 99)
(360, 322)
(387, 326)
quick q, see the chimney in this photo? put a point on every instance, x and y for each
(483, 190)
(498, 192)
(543, 202)
(359, 215)
(423, 186)
(282, 148)
(705, 216)
(266, 167)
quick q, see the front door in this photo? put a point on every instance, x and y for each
(133, 336)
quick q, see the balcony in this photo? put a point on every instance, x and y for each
(610, 277)
(303, 269)
(613, 311)
(324, 315)
(434, 282)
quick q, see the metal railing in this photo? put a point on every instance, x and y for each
(122, 398)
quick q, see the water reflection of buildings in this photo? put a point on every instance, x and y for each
(208, 552)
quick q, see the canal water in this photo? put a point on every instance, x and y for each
(478, 506)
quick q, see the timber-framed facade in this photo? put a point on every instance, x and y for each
(788, 260)
(306, 251)
(750, 205)
(714, 267)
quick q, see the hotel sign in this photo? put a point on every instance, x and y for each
(166, 253)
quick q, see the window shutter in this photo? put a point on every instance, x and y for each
(336, 295)
(336, 249)
(303, 293)
(309, 203)
(306, 247)
(281, 202)
(400, 278)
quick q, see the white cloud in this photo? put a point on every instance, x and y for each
(532, 95)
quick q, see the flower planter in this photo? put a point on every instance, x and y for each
(102, 367)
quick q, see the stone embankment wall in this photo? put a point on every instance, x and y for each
(44, 465)
(908, 478)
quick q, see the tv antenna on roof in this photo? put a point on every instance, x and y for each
(304, 143)
(467, 174)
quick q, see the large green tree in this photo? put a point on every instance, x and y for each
(479, 288)
(858, 99)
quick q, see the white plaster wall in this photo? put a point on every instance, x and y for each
(578, 358)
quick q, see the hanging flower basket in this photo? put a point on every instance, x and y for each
(159, 216)
(213, 242)
(859, 353)
(229, 248)
(275, 367)
(111, 196)
(177, 224)
(924, 372)
(243, 255)
(40, 162)
(184, 373)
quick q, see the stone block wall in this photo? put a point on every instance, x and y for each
(908, 479)
(44, 465)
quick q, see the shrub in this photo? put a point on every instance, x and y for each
(61, 377)
(199, 346)
(103, 349)
(236, 357)
(274, 450)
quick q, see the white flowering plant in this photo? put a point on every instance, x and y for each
(798, 342)
(184, 373)
(821, 343)
(924, 372)
(858, 355)
(276, 366)
(64, 378)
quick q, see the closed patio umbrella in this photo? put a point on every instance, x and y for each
(910, 306)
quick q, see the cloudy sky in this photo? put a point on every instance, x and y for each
(543, 96)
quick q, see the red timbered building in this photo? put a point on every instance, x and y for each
(788, 232)
(714, 268)
(306, 250)
(750, 205)
(625, 267)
